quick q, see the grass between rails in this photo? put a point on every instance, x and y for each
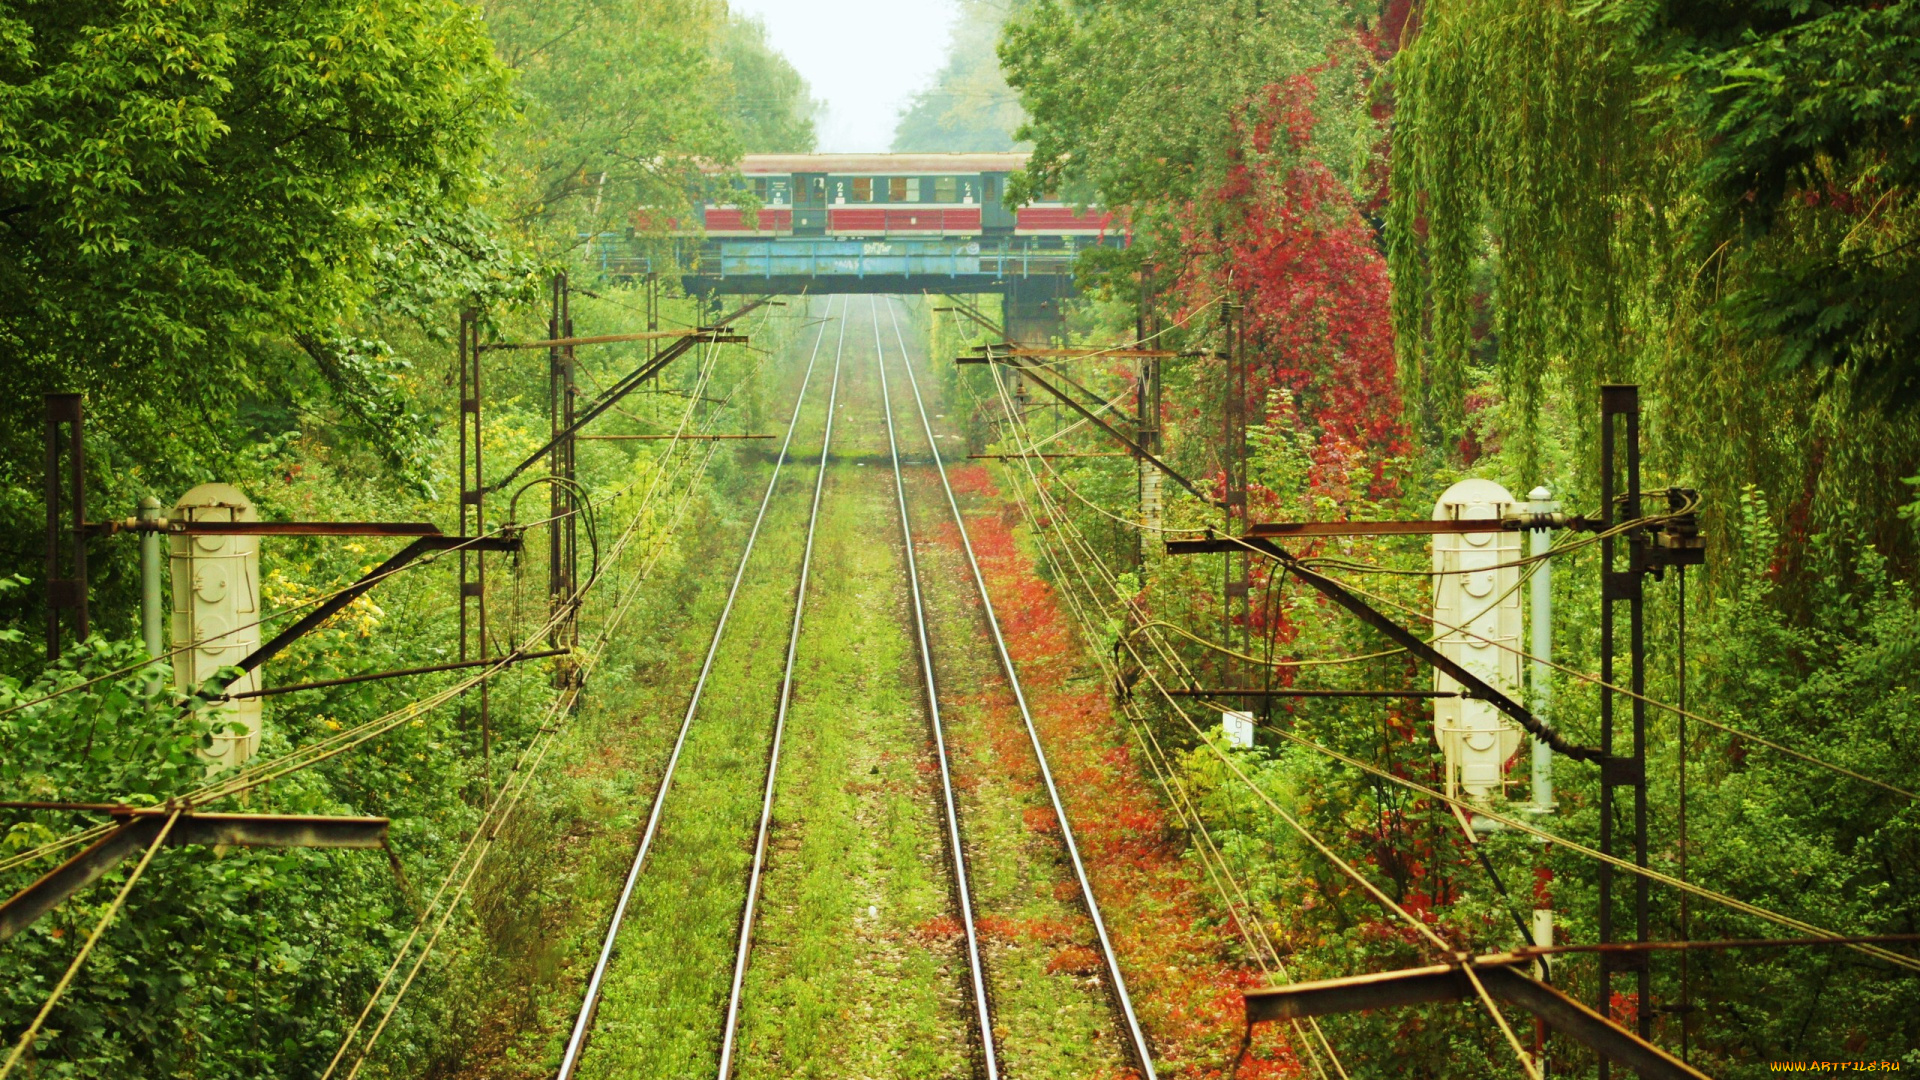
(854, 971)
(664, 995)
(1054, 1017)
(547, 892)
(1183, 967)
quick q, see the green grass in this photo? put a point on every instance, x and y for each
(856, 969)
(661, 1003)
(843, 983)
(1049, 1024)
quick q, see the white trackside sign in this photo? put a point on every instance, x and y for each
(1476, 590)
(216, 607)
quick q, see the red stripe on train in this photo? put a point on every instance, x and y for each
(720, 219)
(902, 219)
(1061, 219)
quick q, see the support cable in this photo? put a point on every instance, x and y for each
(1595, 680)
(86, 949)
(1210, 852)
(1727, 901)
(1366, 884)
(479, 843)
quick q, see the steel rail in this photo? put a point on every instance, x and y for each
(1137, 1038)
(963, 887)
(744, 949)
(583, 1022)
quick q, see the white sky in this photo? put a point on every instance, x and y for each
(864, 58)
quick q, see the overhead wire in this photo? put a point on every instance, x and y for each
(129, 669)
(1725, 900)
(1246, 920)
(1595, 680)
(1136, 1036)
(576, 1041)
(1730, 902)
(1074, 491)
(1719, 898)
(86, 949)
(208, 793)
(313, 753)
(1319, 845)
(474, 853)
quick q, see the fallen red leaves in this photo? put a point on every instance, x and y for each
(1174, 944)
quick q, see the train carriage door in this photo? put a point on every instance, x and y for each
(994, 215)
(809, 204)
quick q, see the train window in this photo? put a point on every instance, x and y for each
(913, 189)
(863, 189)
(986, 189)
(946, 189)
(760, 190)
(897, 189)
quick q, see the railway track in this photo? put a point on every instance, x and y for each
(743, 952)
(1115, 982)
(670, 1040)
(982, 1008)
(583, 1021)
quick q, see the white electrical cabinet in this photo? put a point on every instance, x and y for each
(1476, 590)
(216, 612)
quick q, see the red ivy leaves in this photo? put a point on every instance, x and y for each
(1295, 250)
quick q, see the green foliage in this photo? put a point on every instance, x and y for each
(1713, 200)
(771, 108)
(1135, 105)
(969, 108)
(627, 105)
(1812, 106)
(189, 189)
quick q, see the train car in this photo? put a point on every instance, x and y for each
(881, 196)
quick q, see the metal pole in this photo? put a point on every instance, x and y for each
(1637, 542)
(556, 466)
(1542, 629)
(68, 592)
(51, 495)
(1686, 921)
(150, 542)
(1604, 996)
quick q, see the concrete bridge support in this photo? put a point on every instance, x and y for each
(1033, 309)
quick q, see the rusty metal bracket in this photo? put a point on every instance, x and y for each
(1449, 982)
(137, 830)
(1118, 436)
(374, 676)
(340, 600)
(1399, 635)
(716, 334)
(975, 314)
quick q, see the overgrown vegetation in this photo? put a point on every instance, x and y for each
(246, 231)
(1710, 200)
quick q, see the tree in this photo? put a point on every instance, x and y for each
(194, 197)
(969, 108)
(770, 105)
